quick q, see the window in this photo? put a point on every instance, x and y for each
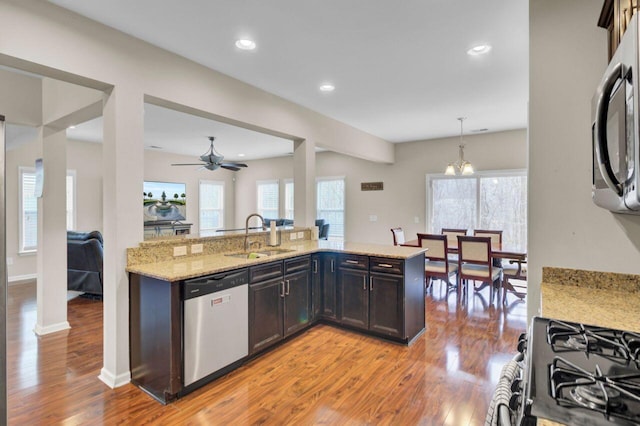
(288, 199)
(211, 207)
(484, 201)
(28, 204)
(268, 199)
(330, 205)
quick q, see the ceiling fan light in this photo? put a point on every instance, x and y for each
(450, 171)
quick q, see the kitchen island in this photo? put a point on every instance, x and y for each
(373, 289)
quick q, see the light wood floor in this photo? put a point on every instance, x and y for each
(324, 376)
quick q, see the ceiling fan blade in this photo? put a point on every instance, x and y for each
(187, 164)
(229, 163)
(228, 167)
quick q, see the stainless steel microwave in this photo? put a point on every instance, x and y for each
(615, 146)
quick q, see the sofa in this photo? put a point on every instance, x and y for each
(84, 262)
(323, 229)
(279, 222)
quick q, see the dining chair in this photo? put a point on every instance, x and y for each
(452, 240)
(437, 265)
(398, 236)
(514, 269)
(474, 254)
(496, 237)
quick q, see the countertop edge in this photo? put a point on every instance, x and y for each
(194, 266)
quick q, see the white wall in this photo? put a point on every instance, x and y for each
(568, 55)
(404, 194)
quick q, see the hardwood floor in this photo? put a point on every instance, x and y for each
(324, 376)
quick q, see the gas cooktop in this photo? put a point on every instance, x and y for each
(582, 374)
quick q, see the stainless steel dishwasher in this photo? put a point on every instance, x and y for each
(216, 323)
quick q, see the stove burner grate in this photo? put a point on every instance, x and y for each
(573, 386)
(613, 344)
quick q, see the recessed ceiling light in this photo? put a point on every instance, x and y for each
(480, 49)
(327, 87)
(72, 127)
(245, 44)
(240, 155)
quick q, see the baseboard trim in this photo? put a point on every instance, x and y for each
(112, 380)
(53, 328)
(16, 278)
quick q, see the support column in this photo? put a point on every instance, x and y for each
(123, 161)
(51, 287)
(304, 178)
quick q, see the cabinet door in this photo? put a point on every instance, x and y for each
(329, 287)
(316, 287)
(297, 301)
(354, 297)
(266, 301)
(386, 304)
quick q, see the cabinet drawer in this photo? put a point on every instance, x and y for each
(297, 264)
(387, 265)
(354, 261)
(265, 272)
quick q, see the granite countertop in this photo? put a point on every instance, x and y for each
(186, 267)
(597, 298)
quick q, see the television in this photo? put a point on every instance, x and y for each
(164, 202)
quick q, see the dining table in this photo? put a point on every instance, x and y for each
(499, 254)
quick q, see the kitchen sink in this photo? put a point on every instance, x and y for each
(259, 253)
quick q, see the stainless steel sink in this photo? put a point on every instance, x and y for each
(259, 253)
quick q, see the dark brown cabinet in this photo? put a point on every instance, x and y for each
(386, 304)
(372, 294)
(266, 306)
(297, 294)
(279, 301)
(615, 17)
(329, 286)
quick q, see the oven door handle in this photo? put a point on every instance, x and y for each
(600, 133)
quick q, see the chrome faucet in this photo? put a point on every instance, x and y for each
(246, 229)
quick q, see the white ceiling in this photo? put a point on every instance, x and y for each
(400, 67)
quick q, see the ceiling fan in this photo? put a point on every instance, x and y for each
(213, 160)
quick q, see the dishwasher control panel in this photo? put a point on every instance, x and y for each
(201, 286)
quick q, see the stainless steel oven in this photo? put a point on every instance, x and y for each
(615, 147)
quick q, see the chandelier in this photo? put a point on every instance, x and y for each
(461, 166)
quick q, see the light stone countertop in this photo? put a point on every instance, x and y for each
(192, 266)
(597, 298)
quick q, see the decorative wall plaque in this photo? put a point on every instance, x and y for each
(371, 186)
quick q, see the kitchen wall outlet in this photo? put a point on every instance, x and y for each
(9, 260)
(196, 248)
(416, 219)
(293, 236)
(300, 235)
(373, 218)
(180, 251)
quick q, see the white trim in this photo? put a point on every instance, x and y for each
(26, 277)
(74, 186)
(53, 328)
(321, 178)
(112, 380)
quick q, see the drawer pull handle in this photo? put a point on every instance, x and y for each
(315, 266)
(384, 265)
(353, 262)
(364, 283)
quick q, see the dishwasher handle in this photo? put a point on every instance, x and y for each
(201, 286)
